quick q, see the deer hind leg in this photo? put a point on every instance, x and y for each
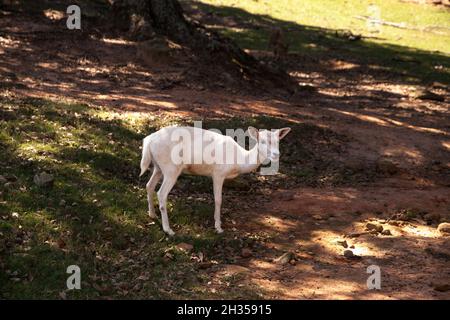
(217, 183)
(170, 177)
(151, 185)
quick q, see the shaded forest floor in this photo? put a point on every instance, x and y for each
(365, 151)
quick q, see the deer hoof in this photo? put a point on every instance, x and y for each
(169, 232)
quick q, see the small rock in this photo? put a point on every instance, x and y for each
(354, 234)
(348, 254)
(285, 258)
(428, 95)
(186, 247)
(387, 167)
(444, 228)
(317, 217)
(386, 232)
(436, 168)
(246, 253)
(342, 243)
(439, 85)
(431, 218)
(374, 227)
(168, 256)
(442, 287)
(43, 179)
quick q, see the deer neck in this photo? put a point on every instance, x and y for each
(252, 160)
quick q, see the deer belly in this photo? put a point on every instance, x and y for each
(233, 174)
(198, 170)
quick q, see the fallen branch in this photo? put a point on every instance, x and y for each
(400, 25)
(345, 33)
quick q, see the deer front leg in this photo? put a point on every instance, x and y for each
(218, 183)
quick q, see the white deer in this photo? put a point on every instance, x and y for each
(174, 150)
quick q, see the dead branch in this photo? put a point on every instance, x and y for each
(400, 25)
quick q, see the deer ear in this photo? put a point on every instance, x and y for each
(283, 132)
(253, 132)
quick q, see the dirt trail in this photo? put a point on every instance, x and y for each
(380, 118)
(318, 225)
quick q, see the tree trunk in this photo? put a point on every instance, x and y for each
(165, 17)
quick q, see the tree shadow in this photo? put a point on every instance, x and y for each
(321, 47)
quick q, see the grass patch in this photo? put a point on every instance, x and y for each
(316, 28)
(94, 214)
(339, 15)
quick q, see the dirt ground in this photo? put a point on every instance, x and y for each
(380, 115)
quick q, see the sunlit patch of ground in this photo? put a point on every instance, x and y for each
(321, 230)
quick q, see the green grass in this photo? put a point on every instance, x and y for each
(94, 215)
(336, 15)
(318, 28)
